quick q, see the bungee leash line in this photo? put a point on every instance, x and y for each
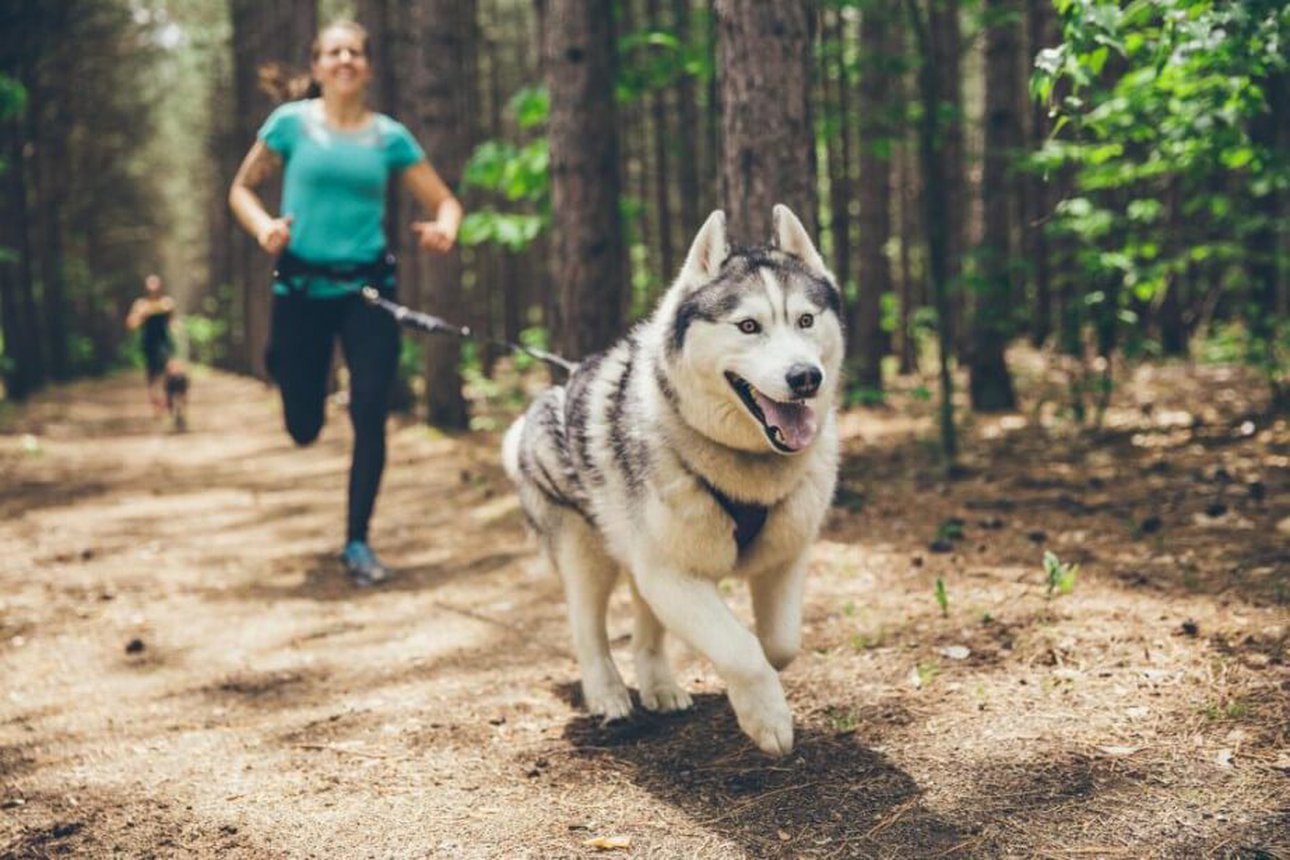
(408, 318)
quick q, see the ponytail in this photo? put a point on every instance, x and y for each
(280, 83)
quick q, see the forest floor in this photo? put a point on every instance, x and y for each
(187, 674)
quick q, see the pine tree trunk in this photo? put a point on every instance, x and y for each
(876, 137)
(662, 172)
(23, 369)
(906, 346)
(936, 215)
(264, 31)
(768, 138)
(837, 99)
(446, 45)
(990, 382)
(1267, 290)
(588, 253)
(687, 151)
(946, 44)
(1173, 329)
(1039, 29)
(50, 196)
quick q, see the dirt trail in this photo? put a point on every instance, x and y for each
(185, 673)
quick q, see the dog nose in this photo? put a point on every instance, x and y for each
(804, 379)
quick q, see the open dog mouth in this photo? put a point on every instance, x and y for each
(789, 426)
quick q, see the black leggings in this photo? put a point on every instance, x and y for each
(298, 358)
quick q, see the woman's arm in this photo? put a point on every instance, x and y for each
(135, 317)
(260, 163)
(431, 192)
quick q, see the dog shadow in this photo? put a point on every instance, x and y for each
(831, 797)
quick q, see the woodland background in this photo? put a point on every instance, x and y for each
(1106, 180)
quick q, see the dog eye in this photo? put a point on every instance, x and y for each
(805, 321)
(749, 326)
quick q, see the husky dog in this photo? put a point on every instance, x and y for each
(703, 445)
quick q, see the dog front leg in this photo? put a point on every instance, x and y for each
(692, 608)
(777, 606)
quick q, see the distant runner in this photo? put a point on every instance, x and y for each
(154, 312)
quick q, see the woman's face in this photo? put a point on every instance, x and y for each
(341, 67)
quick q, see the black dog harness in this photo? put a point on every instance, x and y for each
(749, 518)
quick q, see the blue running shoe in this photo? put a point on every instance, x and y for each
(362, 566)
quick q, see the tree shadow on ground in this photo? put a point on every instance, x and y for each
(26, 496)
(325, 580)
(831, 797)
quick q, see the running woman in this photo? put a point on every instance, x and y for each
(336, 157)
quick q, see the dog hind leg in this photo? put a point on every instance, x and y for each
(659, 690)
(589, 574)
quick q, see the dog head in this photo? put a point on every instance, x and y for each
(753, 338)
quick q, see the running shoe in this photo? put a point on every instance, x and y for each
(362, 566)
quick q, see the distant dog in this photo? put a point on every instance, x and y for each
(701, 446)
(176, 387)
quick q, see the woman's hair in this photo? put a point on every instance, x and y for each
(283, 84)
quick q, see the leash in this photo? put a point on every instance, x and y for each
(408, 318)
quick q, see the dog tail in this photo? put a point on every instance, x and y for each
(511, 449)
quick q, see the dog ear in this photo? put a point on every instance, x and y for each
(791, 238)
(709, 250)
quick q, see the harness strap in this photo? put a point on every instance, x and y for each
(749, 518)
(372, 272)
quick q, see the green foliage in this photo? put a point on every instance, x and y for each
(863, 395)
(951, 529)
(518, 174)
(1060, 577)
(1157, 106)
(652, 60)
(205, 336)
(942, 598)
(13, 97)
(531, 106)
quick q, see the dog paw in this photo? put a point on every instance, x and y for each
(764, 715)
(609, 704)
(665, 698)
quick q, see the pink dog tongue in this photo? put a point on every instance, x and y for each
(796, 421)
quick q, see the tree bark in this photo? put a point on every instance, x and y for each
(264, 31)
(837, 94)
(990, 382)
(588, 255)
(936, 215)
(768, 138)
(946, 44)
(22, 369)
(687, 156)
(662, 172)
(446, 44)
(1039, 26)
(876, 137)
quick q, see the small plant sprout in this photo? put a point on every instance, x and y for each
(942, 599)
(949, 530)
(1061, 577)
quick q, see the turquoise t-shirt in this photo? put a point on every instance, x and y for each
(334, 185)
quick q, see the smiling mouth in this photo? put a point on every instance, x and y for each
(790, 426)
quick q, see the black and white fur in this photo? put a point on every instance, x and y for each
(721, 402)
